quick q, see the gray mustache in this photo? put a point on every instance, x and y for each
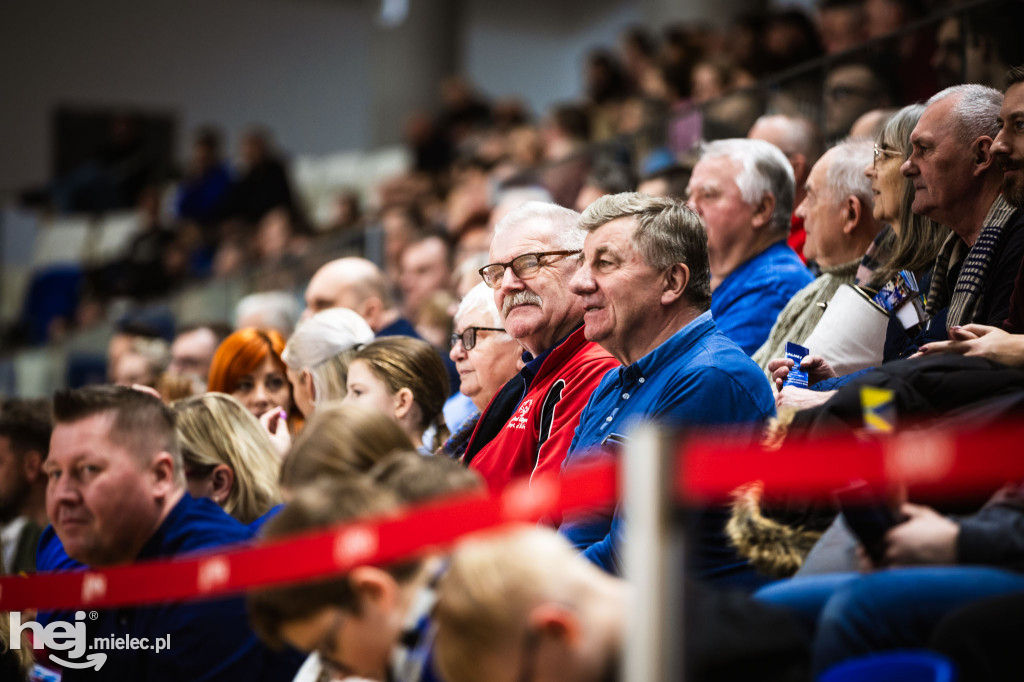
(523, 297)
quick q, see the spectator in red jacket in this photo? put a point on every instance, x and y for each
(528, 426)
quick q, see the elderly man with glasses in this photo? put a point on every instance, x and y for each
(528, 426)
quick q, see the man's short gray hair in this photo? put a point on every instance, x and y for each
(563, 221)
(800, 134)
(667, 232)
(975, 113)
(278, 310)
(845, 174)
(480, 299)
(764, 169)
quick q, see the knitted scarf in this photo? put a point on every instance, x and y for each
(798, 319)
(965, 299)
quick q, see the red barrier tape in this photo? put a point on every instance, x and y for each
(325, 553)
(708, 470)
(934, 463)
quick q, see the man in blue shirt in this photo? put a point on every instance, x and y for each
(116, 495)
(743, 189)
(645, 286)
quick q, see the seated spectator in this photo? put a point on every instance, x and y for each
(318, 353)
(966, 196)
(359, 285)
(485, 356)
(124, 337)
(207, 180)
(425, 266)
(800, 140)
(372, 623)
(645, 286)
(606, 177)
(117, 496)
(850, 90)
(666, 182)
(841, 24)
(25, 428)
(403, 378)
(914, 240)
(192, 351)
(227, 456)
(743, 189)
(433, 320)
(528, 425)
(142, 364)
(523, 605)
(341, 441)
(261, 184)
(838, 216)
(248, 367)
(277, 310)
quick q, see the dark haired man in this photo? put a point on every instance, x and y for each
(24, 442)
(116, 495)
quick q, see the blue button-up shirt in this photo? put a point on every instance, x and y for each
(748, 301)
(698, 378)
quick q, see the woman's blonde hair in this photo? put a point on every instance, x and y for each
(404, 362)
(215, 428)
(341, 441)
(324, 345)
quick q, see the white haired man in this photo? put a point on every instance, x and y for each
(743, 189)
(528, 426)
(837, 214)
(800, 140)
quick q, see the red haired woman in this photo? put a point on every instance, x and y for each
(248, 366)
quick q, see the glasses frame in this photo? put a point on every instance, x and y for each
(472, 336)
(520, 270)
(878, 151)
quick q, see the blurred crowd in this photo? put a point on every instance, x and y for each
(678, 248)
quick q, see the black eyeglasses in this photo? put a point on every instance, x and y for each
(468, 336)
(879, 152)
(525, 266)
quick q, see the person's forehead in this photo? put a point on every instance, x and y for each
(614, 235)
(532, 236)
(718, 170)
(197, 339)
(851, 76)
(427, 251)
(1013, 101)
(935, 120)
(88, 433)
(816, 179)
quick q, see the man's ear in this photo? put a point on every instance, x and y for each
(32, 465)
(677, 277)
(763, 211)
(371, 309)
(164, 476)
(556, 622)
(981, 154)
(851, 209)
(374, 586)
(403, 402)
(223, 479)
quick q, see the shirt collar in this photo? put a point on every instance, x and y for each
(671, 350)
(533, 364)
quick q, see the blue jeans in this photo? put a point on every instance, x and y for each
(890, 609)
